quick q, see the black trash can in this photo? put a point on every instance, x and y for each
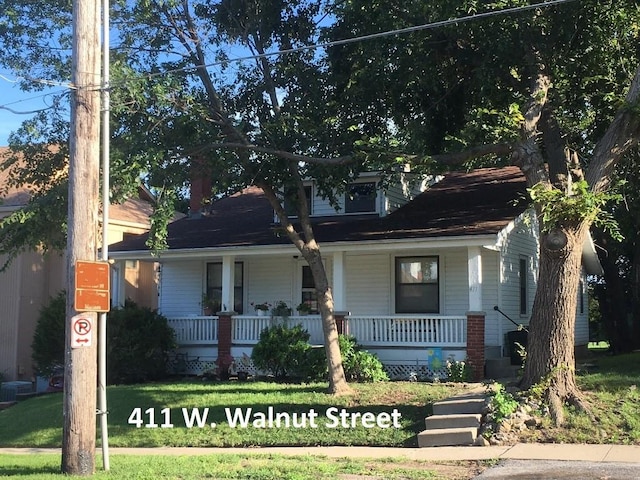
(513, 338)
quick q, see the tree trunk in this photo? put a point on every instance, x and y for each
(550, 353)
(337, 381)
(310, 250)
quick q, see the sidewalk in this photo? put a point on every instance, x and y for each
(521, 451)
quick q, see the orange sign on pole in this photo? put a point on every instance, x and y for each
(92, 287)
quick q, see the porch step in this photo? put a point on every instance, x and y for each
(455, 421)
(464, 420)
(447, 437)
(472, 403)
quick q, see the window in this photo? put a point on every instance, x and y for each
(417, 286)
(360, 198)
(524, 273)
(309, 295)
(214, 285)
(290, 202)
(581, 296)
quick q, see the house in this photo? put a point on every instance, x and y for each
(414, 278)
(33, 278)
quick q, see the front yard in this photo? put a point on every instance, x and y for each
(206, 414)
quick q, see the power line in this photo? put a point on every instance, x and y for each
(400, 31)
(362, 38)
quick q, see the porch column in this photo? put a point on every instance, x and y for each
(339, 285)
(228, 281)
(475, 343)
(224, 343)
(474, 269)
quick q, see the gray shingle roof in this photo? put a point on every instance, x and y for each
(464, 203)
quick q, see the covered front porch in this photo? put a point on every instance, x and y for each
(408, 345)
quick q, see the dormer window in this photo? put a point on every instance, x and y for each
(360, 198)
(291, 208)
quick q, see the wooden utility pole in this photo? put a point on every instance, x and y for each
(80, 369)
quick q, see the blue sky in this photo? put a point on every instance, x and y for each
(13, 102)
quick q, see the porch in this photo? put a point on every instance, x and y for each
(406, 344)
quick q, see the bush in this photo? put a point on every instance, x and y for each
(138, 342)
(47, 348)
(283, 351)
(360, 365)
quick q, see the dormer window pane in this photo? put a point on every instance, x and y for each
(360, 198)
(291, 208)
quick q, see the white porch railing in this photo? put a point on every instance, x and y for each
(246, 329)
(382, 331)
(408, 330)
(195, 330)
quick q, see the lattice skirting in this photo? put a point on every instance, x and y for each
(413, 372)
(183, 364)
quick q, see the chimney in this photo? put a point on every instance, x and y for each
(200, 179)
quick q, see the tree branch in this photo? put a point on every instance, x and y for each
(623, 133)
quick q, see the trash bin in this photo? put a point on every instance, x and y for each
(513, 338)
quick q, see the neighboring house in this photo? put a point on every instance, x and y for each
(33, 278)
(415, 280)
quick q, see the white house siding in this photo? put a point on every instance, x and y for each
(181, 288)
(582, 316)
(520, 242)
(368, 284)
(490, 282)
(454, 282)
(269, 279)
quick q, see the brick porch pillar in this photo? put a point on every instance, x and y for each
(224, 343)
(475, 343)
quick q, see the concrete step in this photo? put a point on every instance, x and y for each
(466, 420)
(459, 405)
(447, 437)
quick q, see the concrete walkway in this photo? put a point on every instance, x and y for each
(522, 451)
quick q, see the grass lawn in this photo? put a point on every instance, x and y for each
(610, 386)
(37, 422)
(255, 467)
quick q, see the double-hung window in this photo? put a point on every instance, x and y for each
(309, 295)
(360, 198)
(417, 285)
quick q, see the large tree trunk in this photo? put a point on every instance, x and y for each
(337, 381)
(550, 352)
(310, 250)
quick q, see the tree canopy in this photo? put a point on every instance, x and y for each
(549, 86)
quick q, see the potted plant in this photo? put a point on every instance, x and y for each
(281, 309)
(261, 308)
(304, 309)
(210, 306)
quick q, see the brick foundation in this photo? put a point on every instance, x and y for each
(224, 343)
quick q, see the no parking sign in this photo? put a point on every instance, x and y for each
(81, 331)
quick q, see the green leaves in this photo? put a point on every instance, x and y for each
(558, 209)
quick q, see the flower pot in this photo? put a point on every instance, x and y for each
(261, 313)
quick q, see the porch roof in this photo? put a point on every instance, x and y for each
(481, 202)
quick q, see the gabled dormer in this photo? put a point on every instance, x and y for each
(365, 196)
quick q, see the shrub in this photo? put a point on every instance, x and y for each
(282, 350)
(139, 341)
(360, 365)
(47, 347)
